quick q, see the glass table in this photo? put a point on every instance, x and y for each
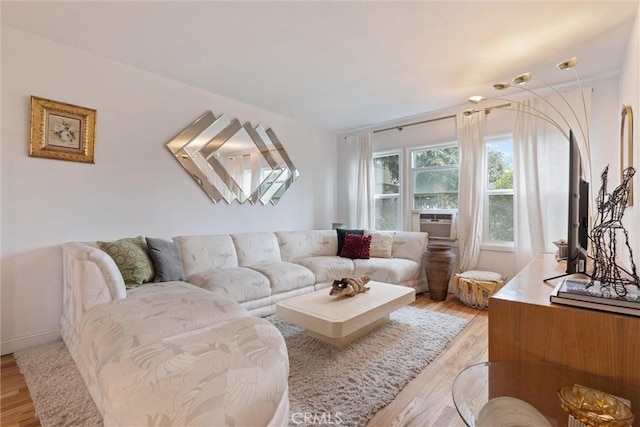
(534, 383)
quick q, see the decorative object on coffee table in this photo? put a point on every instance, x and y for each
(534, 382)
(595, 408)
(438, 265)
(474, 287)
(349, 286)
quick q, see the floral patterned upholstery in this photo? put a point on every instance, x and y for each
(303, 244)
(286, 276)
(256, 248)
(328, 268)
(244, 386)
(388, 270)
(201, 253)
(409, 245)
(173, 354)
(239, 284)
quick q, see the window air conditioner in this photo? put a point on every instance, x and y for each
(440, 224)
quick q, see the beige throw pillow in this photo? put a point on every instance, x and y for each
(381, 244)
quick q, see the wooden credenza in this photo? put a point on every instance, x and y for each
(524, 325)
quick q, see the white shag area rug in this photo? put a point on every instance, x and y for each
(327, 385)
(59, 395)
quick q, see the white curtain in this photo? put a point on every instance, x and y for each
(360, 180)
(234, 166)
(528, 215)
(471, 186)
(541, 159)
(256, 171)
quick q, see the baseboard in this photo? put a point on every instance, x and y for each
(30, 340)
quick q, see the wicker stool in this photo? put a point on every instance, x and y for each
(474, 287)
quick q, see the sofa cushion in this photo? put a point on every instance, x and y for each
(239, 284)
(387, 270)
(297, 244)
(174, 354)
(201, 253)
(356, 246)
(327, 268)
(231, 373)
(228, 373)
(341, 233)
(256, 248)
(151, 313)
(131, 256)
(409, 245)
(285, 276)
(167, 261)
(381, 244)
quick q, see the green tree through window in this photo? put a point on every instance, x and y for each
(435, 178)
(499, 191)
(386, 170)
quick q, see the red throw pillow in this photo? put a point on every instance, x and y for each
(356, 246)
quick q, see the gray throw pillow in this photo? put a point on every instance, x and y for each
(166, 258)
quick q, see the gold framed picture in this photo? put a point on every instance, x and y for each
(62, 131)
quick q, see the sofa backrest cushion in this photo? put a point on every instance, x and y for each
(409, 245)
(256, 248)
(381, 244)
(201, 253)
(300, 244)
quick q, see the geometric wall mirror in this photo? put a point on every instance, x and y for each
(231, 161)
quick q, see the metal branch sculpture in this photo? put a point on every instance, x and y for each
(611, 276)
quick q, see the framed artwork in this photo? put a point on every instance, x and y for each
(62, 131)
(626, 146)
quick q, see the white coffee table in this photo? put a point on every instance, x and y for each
(340, 320)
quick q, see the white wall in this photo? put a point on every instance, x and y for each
(630, 95)
(604, 128)
(135, 187)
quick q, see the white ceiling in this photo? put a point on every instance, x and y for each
(341, 65)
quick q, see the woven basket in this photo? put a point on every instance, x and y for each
(474, 288)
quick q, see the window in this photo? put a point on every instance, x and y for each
(499, 191)
(435, 178)
(386, 178)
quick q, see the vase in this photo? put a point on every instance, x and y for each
(438, 265)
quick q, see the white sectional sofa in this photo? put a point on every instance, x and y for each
(195, 352)
(259, 269)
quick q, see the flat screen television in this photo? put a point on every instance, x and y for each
(578, 218)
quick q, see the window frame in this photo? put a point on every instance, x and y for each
(412, 170)
(398, 196)
(487, 244)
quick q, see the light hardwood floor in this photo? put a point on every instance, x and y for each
(425, 401)
(15, 401)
